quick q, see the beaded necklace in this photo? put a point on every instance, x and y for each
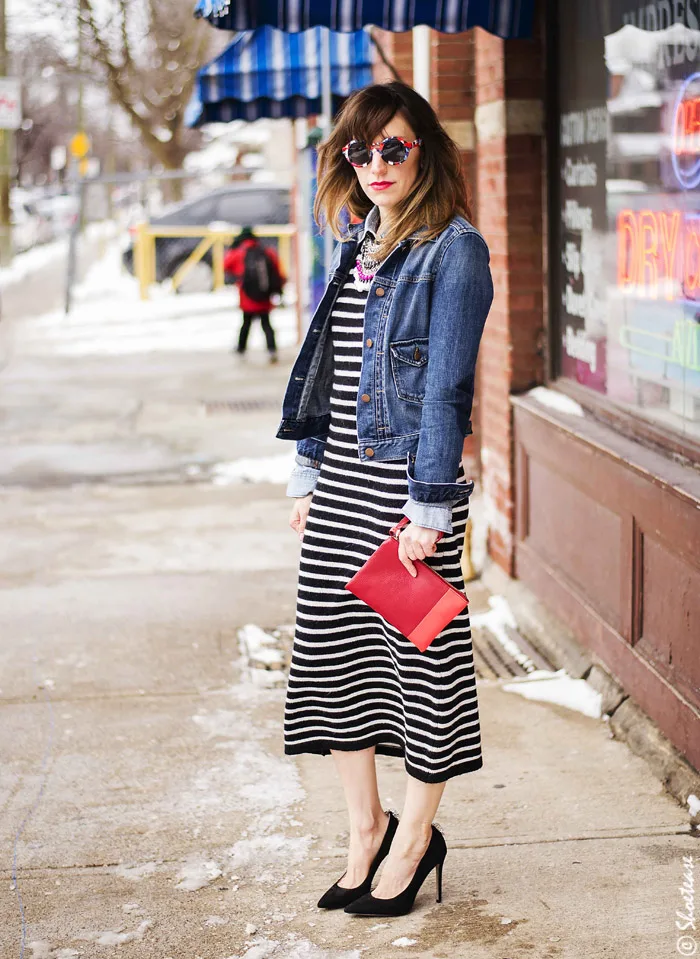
(366, 263)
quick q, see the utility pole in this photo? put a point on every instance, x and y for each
(5, 158)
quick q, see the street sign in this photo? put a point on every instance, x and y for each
(79, 145)
(10, 104)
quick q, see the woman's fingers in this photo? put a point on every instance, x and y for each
(406, 559)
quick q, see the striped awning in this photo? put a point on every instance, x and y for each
(269, 73)
(505, 18)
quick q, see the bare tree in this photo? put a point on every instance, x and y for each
(147, 52)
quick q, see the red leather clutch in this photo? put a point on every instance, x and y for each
(418, 606)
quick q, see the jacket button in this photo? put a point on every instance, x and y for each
(380, 291)
(369, 341)
(369, 451)
(365, 398)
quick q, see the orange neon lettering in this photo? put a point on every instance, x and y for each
(669, 244)
(649, 252)
(626, 248)
(691, 264)
(687, 128)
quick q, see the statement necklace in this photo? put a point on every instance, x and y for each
(366, 263)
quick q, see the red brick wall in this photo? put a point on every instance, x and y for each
(474, 78)
(510, 191)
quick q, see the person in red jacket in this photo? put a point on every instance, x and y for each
(258, 276)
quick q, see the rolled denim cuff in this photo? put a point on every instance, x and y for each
(431, 515)
(302, 481)
(310, 461)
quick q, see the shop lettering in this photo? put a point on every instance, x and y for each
(660, 16)
(580, 173)
(658, 252)
(579, 347)
(584, 126)
(686, 134)
(577, 217)
(686, 128)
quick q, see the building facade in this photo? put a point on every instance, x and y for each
(582, 148)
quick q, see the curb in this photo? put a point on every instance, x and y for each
(627, 721)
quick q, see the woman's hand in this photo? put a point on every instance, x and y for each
(300, 510)
(416, 542)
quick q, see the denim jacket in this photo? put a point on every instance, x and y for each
(424, 317)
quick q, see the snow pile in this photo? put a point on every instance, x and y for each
(135, 872)
(261, 649)
(196, 874)
(262, 856)
(118, 937)
(498, 620)
(559, 688)
(293, 948)
(556, 400)
(262, 469)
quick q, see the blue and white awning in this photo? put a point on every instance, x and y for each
(270, 73)
(506, 18)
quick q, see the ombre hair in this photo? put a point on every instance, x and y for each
(440, 190)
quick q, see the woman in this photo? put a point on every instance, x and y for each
(379, 402)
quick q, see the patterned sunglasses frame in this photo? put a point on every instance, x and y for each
(380, 146)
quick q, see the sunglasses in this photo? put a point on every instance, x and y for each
(392, 150)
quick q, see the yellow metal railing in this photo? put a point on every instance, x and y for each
(212, 239)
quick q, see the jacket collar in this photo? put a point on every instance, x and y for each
(371, 225)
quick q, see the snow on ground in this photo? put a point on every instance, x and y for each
(292, 948)
(34, 260)
(497, 620)
(559, 688)
(263, 469)
(109, 318)
(555, 400)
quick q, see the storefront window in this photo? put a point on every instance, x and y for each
(629, 227)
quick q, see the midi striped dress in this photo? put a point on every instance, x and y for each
(355, 681)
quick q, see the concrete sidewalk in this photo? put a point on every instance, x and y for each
(145, 794)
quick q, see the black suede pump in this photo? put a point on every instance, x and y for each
(337, 897)
(433, 858)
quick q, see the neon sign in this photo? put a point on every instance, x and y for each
(686, 135)
(658, 253)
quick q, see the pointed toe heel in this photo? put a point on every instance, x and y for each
(433, 858)
(338, 897)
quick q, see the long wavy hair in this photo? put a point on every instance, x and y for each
(440, 190)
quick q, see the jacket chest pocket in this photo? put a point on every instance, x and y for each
(409, 367)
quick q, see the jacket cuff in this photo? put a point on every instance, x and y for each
(432, 516)
(437, 493)
(302, 481)
(310, 461)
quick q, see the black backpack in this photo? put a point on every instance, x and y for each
(260, 279)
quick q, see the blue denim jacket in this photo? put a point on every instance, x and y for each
(423, 322)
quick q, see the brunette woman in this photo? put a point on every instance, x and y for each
(379, 402)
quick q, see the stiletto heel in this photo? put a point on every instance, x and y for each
(337, 897)
(433, 858)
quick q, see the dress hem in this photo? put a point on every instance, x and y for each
(323, 748)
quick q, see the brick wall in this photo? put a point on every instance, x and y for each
(488, 93)
(509, 166)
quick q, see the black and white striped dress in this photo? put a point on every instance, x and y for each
(355, 681)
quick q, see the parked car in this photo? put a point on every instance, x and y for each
(240, 204)
(26, 225)
(61, 212)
